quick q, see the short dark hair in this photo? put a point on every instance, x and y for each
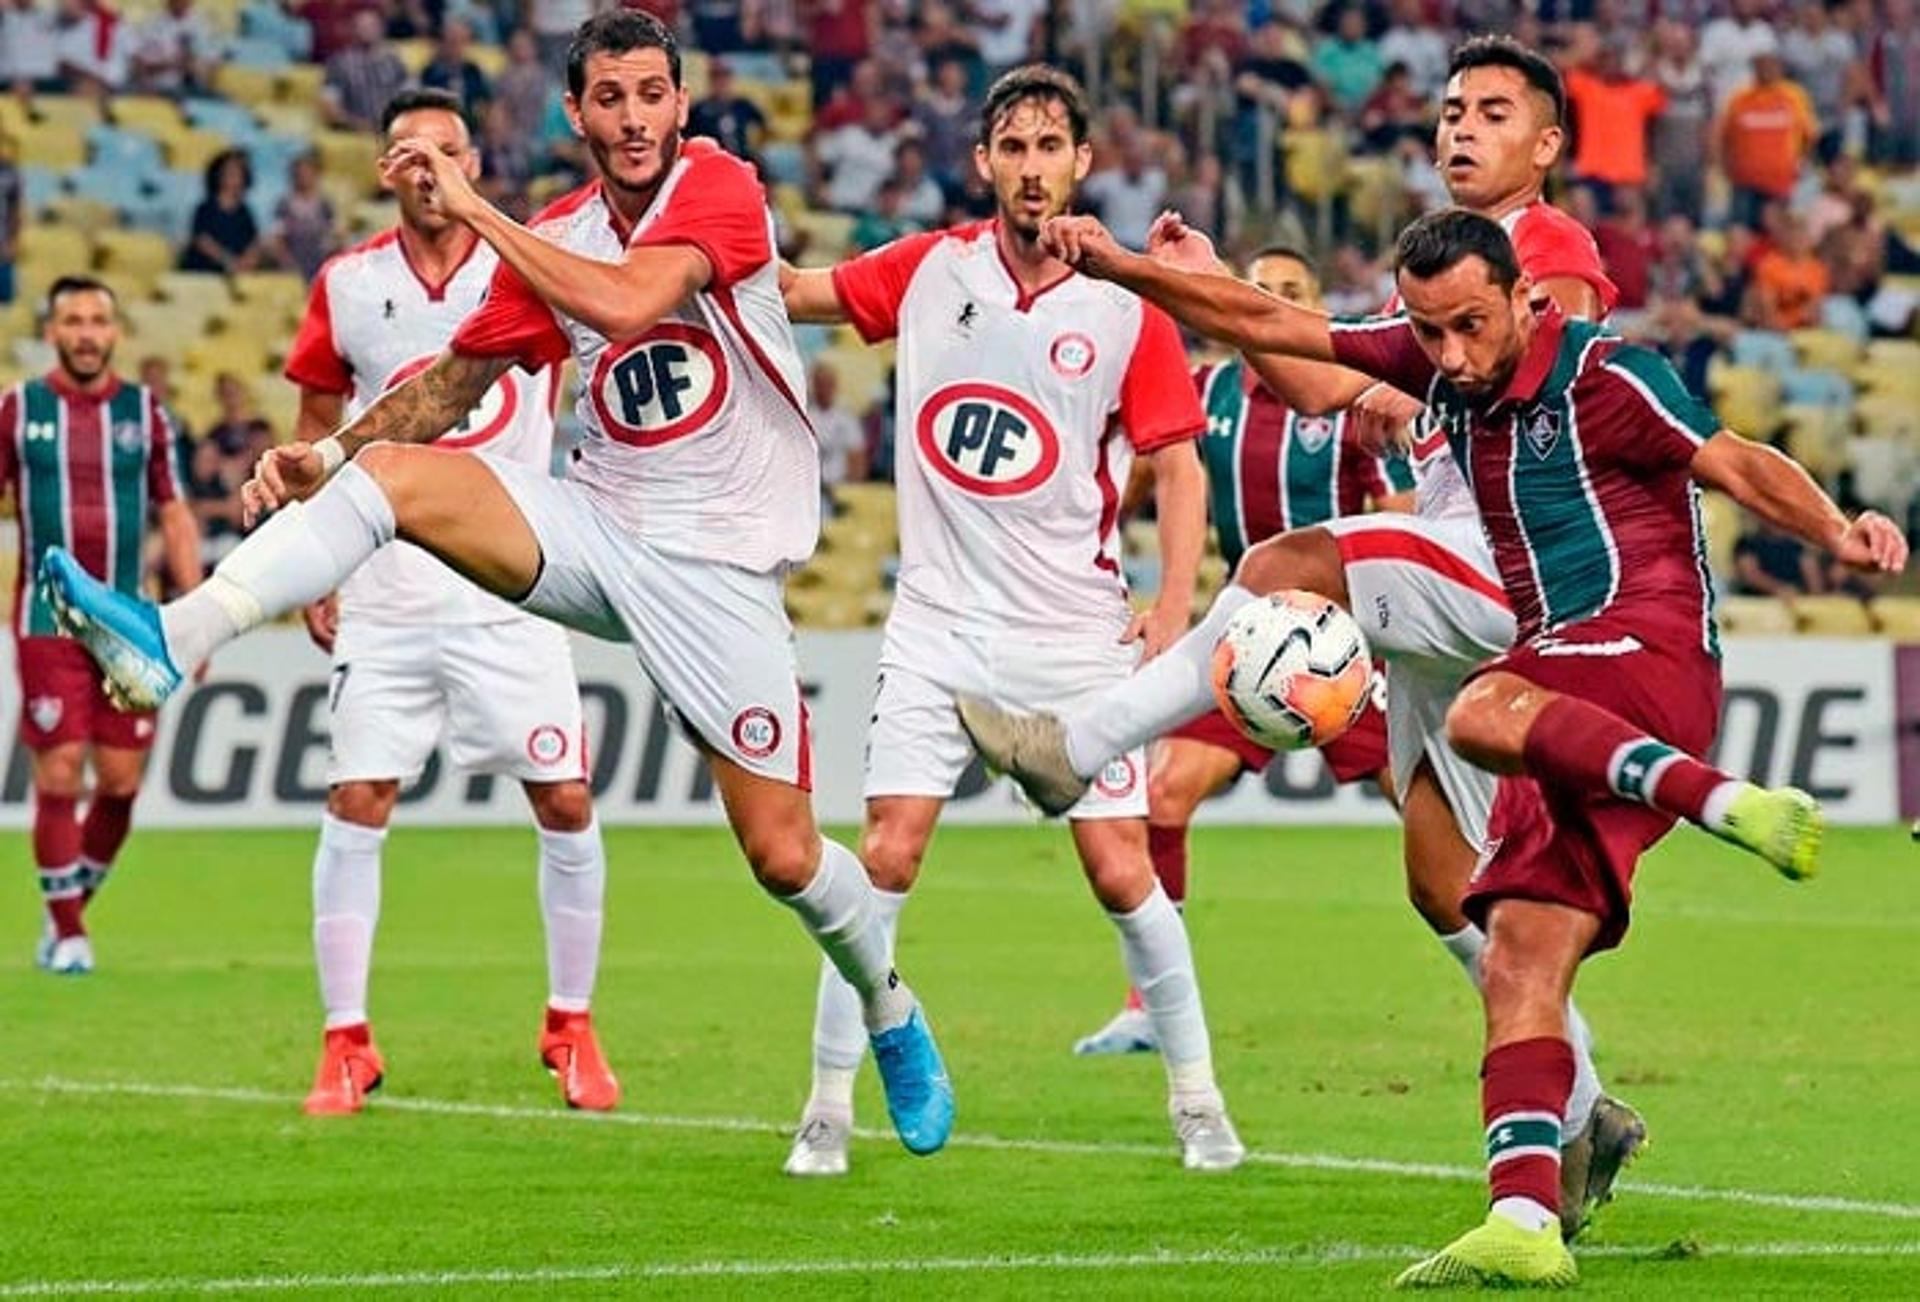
(415, 98)
(1280, 249)
(1035, 81)
(79, 285)
(1441, 240)
(1505, 52)
(616, 32)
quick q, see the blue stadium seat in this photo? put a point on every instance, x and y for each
(40, 186)
(1838, 312)
(116, 186)
(129, 151)
(786, 162)
(229, 119)
(1767, 349)
(1817, 388)
(257, 52)
(269, 23)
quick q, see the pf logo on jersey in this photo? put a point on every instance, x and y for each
(492, 414)
(988, 440)
(661, 386)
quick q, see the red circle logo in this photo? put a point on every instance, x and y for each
(756, 732)
(1072, 355)
(988, 440)
(490, 416)
(661, 386)
(1117, 778)
(546, 745)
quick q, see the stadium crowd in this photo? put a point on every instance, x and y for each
(1754, 189)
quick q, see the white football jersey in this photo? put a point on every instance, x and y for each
(1017, 419)
(372, 322)
(696, 437)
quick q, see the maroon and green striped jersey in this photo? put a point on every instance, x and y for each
(1581, 470)
(86, 471)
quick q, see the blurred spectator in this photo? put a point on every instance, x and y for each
(507, 161)
(1766, 134)
(304, 231)
(1214, 40)
(175, 51)
(883, 222)
(1788, 282)
(1358, 285)
(1425, 188)
(12, 216)
(896, 49)
(726, 115)
(1770, 563)
(239, 431)
(1128, 197)
(1265, 84)
(553, 23)
(29, 47)
(949, 123)
(1393, 111)
(843, 445)
(1678, 270)
(224, 237)
(413, 20)
(940, 37)
(451, 70)
(1611, 111)
(90, 47)
(722, 26)
(1195, 191)
(1004, 30)
(857, 158)
(1415, 43)
(1348, 63)
(1895, 65)
(1629, 246)
(848, 103)
(1728, 46)
(362, 77)
(332, 23)
(1823, 61)
(1855, 249)
(156, 373)
(523, 85)
(839, 35)
(212, 483)
(921, 199)
(1683, 131)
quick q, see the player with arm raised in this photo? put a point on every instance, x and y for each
(1423, 586)
(1024, 393)
(419, 652)
(88, 459)
(1585, 456)
(696, 488)
(1269, 469)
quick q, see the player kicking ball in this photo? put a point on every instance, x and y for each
(419, 652)
(1269, 469)
(1584, 455)
(1024, 393)
(695, 489)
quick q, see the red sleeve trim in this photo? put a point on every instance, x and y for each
(1158, 403)
(871, 287)
(512, 322)
(1551, 245)
(719, 207)
(314, 361)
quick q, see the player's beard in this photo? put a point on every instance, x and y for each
(1024, 222)
(85, 366)
(667, 150)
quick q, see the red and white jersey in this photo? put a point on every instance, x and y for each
(372, 321)
(696, 438)
(1017, 419)
(1550, 245)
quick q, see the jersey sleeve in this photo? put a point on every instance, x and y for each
(9, 437)
(314, 360)
(871, 287)
(1553, 246)
(512, 322)
(1385, 348)
(719, 208)
(163, 484)
(1667, 423)
(1158, 404)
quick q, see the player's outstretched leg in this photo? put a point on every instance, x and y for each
(346, 911)
(1580, 746)
(573, 888)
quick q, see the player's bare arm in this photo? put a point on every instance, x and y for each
(810, 296)
(418, 411)
(1180, 506)
(320, 415)
(1779, 491)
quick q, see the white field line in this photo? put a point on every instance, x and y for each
(1078, 1148)
(1310, 1255)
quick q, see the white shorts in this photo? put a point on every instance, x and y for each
(917, 747)
(1429, 599)
(502, 696)
(713, 638)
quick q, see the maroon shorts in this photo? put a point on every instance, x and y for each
(63, 699)
(1353, 756)
(1581, 850)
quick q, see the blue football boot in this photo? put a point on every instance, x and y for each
(919, 1095)
(121, 633)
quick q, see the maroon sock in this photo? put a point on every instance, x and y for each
(56, 851)
(102, 833)
(1523, 1094)
(1168, 848)
(1577, 746)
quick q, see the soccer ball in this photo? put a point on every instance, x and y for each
(1292, 670)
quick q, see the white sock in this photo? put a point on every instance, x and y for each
(1466, 946)
(839, 911)
(1165, 693)
(1153, 944)
(346, 907)
(299, 555)
(1526, 1213)
(839, 1028)
(573, 888)
(1713, 811)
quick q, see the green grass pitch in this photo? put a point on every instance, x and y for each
(153, 1144)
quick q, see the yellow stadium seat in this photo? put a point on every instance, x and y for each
(58, 148)
(862, 373)
(152, 114)
(373, 215)
(827, 234)
(73, 113)
(1721, 516)
(278, 403)
(1832, 616)
(233, 351)
(1316, 164)
(244, 85)
(13, 116)
(299, 84)
(1899, 354)
(1889, 415)
(1747, 399)
(196, 292)
(351, 158)
(490, 59)
(190, 149)
(1754, 616)
(288, 119)
(1896, 617)
(1831, 350)
(1817, 437)
(133, 260)
(415, 54)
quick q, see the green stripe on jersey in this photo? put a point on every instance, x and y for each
(43, 493)
(1225, 400)
(1574, 556)
(1309, 483)
(129, 446)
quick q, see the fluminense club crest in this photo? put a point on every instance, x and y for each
(1541, 429)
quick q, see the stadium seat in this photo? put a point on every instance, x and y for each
(349, 157)
(1831, 616)
(72, 113)
(300, 84)
(258, 52)
(245, 84)
(1889, 415)
(1766, 350)
(150, 114)
(1896, 617)
(1721, 516)
(190, 149)
(1883, 470)
(1817, 437)
(1827, 350)
(863, 375)
(490, 59)
(415, 54)
(133, 260)
(57, 148)
(827, 234)
(1316, 164)
(1815, 387)
(123, 150)
(1747, 398)
(46, 246)
(235, 121)
(1754, 616)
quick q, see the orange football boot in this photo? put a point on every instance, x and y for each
(350, 1069)
(570, 1051)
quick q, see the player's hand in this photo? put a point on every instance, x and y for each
(1872, 543)
(1382, 418)
(323, 621)
(1156, 629)
(291, 472)
(1082, 243)
(441, 179)
(1172, 241)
